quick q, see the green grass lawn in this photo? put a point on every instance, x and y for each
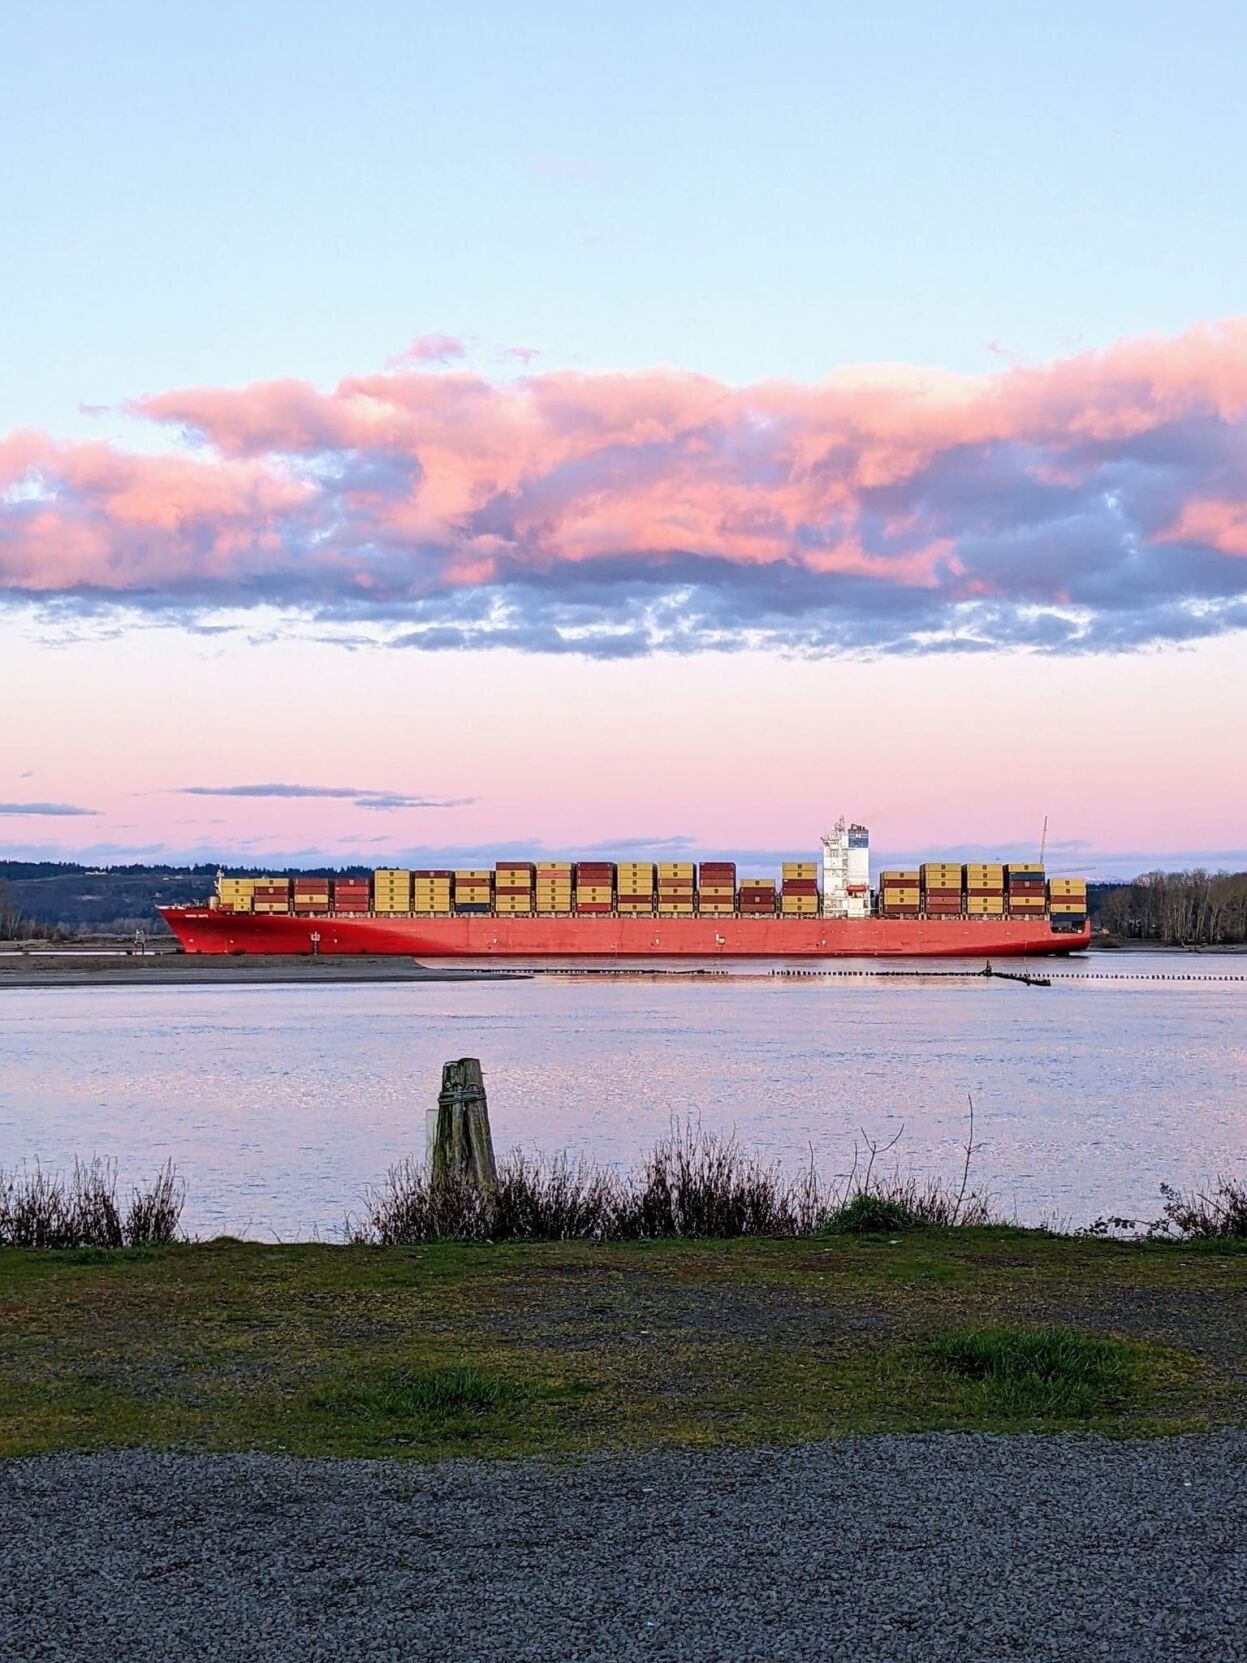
(565, 1348)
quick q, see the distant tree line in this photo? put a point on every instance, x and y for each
(14, 925)
(1195, 909)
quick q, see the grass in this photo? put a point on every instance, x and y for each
(562, 1348)
(1042, 1373)
(431, 1410)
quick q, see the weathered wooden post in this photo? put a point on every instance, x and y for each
(457, 1137)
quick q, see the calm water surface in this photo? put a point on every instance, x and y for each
(279, 1104)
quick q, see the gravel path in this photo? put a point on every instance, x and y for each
(878, 1550)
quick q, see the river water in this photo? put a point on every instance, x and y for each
(280, 1104)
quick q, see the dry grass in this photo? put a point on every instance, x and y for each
(694, 1184)
(48, 1209)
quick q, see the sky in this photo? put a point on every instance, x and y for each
(428, 431)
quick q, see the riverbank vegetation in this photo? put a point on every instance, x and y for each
(693, 1185)
(42, 1209)
(1179, 909)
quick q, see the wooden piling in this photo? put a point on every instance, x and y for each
(458, 1139)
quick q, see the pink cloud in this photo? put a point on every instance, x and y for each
(1216, 525)
(521, 354)
(428, 349)
(872, 509)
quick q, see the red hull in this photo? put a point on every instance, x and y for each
(202, 930)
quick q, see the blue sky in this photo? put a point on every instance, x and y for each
(219, 193)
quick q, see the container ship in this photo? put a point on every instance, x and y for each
(599, 909)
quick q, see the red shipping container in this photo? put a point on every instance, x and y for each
(800, 886)
(593, 906)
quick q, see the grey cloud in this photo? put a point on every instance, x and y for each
(365, 797)
(57, 809)
(672, 844)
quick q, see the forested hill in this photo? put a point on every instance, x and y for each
(72, 898)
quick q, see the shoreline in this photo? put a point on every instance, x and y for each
(115, 969)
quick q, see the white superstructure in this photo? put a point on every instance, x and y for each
(846, 871)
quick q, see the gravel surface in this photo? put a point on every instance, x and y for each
(936, 1547)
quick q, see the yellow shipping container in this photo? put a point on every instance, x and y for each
(675, 869)
(799, 869)
(900, 874)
